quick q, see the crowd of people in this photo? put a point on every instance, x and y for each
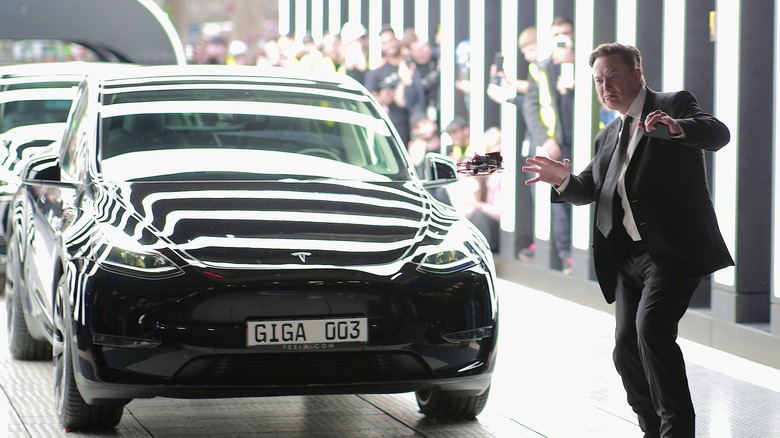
(406, 84)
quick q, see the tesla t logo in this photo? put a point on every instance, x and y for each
(301, 255)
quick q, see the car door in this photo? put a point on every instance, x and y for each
(47, 206)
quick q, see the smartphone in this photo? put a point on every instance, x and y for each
(660, 131)
(498, 61)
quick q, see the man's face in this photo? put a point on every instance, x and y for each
(616, 85)
(563, 50)
(563, 40)
(562, 29)
(529, 52)
(421, 52)
(390, 45)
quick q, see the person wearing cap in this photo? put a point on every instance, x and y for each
(460, 134)
(354, 43)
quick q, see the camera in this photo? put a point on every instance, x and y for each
(390, 81)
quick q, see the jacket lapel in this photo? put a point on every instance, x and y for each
(648, 107)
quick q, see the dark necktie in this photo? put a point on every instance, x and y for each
(606, 209)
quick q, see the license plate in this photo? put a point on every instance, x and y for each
(307, 331)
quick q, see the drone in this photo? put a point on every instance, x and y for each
(482, 164)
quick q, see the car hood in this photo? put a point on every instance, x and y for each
(285, 224)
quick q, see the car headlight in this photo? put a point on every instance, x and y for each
(122, 254)
(454, 254)
(139, 263)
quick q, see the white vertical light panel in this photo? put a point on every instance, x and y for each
(673, 75)
(284, 17)
(583, 108)
(476, 72)
(421, 12)
(776, 167)
(355, 10)
(300, 20)
(334, 16)
(510, 144)
(626, 22)
(727, 25)
(544, 17)
(317, 20)
(396, 17)
(374, 41)
(447, 62)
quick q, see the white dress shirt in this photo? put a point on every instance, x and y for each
(635, 111)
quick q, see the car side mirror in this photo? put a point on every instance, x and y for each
(440, 170)
(42, 168)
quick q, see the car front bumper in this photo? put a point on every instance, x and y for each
(186, 337)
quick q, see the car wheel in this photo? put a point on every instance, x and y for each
(73, 411)
(436, 403)
(21, 344)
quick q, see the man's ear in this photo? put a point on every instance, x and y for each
(638, 74)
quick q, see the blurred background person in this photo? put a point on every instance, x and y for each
(459, 133)
(384, 83)
(513, 90)
(425, 139)
(463, 71)
(421, 80)
(549, 114)
(479, 195)
(354, 41)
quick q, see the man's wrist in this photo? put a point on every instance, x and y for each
(562, 186)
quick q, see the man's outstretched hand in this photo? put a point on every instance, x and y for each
(550, 171)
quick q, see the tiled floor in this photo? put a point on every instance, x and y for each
(554, 379)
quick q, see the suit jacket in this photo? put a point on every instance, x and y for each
(666, 184)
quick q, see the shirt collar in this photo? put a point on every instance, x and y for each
(635, 110)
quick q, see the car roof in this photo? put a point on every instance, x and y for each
(221, 73)
(74, 70)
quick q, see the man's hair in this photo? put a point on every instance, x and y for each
(560, 20)
(630, 55)
(527, 37)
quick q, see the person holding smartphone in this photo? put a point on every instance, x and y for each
(548, 110)
(512, 91)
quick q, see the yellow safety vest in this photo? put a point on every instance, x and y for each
(546, 110)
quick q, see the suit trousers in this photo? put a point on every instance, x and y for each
(648, 307)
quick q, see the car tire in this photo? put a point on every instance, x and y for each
(435, 403)
(73, 411)
(21, 344)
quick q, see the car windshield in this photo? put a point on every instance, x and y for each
(248, 131)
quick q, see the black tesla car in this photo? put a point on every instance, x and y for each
(221, 231)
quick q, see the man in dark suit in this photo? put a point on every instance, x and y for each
(655, 231)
